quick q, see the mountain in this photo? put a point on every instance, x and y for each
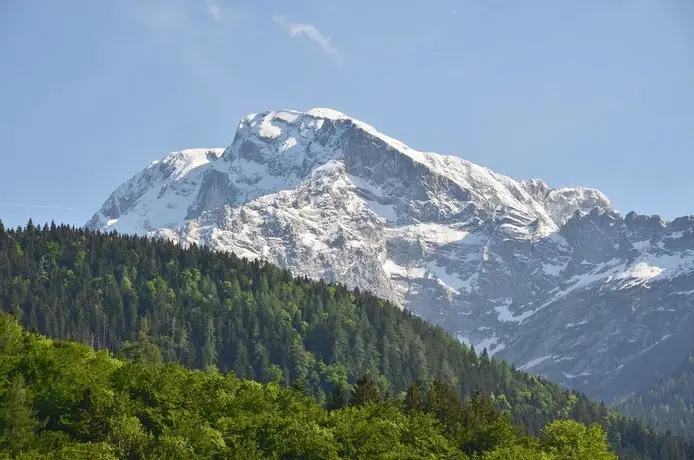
(156, 302)
(553, 280)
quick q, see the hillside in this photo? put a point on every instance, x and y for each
(669, 405)
(61, 400)
(158, 301)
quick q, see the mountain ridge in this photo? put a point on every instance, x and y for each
(176, 164)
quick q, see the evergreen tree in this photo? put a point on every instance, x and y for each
(414, 400)
(338, 399)
(365, 392)
(444, 404)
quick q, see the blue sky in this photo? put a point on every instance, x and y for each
(596, 93)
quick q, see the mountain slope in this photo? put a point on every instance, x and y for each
(669, 405)
(553, 280)
(157, 301)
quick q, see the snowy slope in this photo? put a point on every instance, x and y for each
(551, 279)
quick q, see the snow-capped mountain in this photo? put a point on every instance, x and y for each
(553, 280)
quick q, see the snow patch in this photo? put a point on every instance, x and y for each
(506, 316)
(288, 144)
(450, 280)
(553, 269)
(667, 336)
(638, 274)
(646, 268)
(330, 114)
(534, 362)
(641, 245)
(490, 343)
(267, 129)
(286, 115)
(581, 323)
(572, 376)
(676, 235)
(440, 234)
(391, 268)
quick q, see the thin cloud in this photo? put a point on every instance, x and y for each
(226, 15)
(214, 10)
(312, 33)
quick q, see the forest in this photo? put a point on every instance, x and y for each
(160, 305)
(65, 400)
(669, 405)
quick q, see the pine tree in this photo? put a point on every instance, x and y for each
(444, 404)
(338, 399)
(365, 392)
(414, 400)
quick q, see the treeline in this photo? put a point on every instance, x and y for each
(64, 400)
(669, 405)
(156, 301)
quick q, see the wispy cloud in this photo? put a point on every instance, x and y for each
(214, 10)
(227, 15)
(312, 33)
(32, 205)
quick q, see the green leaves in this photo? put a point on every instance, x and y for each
(570, 439)
(17, 417)
(98, 407)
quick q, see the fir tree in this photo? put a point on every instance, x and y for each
(414, 400)
(365, 392)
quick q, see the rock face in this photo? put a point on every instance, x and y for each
(552, 280)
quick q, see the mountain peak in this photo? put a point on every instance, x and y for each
(331, 114)
(284, 125)
(278, 149)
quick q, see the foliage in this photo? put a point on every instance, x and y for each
(64, 400)
(157, 302)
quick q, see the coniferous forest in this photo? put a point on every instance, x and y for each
(669, 405)
(154, 308)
